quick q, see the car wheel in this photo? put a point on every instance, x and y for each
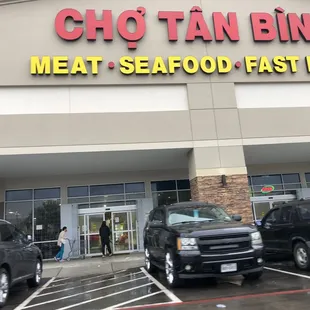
(4, 287)
(36, 279)
(170, 270)
(253, 276)
(301, 256)
(150, 268)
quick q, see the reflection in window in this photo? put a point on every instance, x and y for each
(46, 220)
(101, 190)
(170, 192)
(107, 195)
(46, 193)
(135, 187)
(20, 215)
(17, 195)
(35, 212)
(78, 191)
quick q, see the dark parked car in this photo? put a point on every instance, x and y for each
(20, 260)
(200, 240)
(285, 230)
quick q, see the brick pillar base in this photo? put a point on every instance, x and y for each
(234, 196)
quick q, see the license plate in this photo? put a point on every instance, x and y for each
(229, 267)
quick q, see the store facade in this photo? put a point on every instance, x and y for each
(106, 104)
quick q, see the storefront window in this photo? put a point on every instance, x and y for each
(46, 220)
(108, 195)
(37, 213)
(170, 192)
(274, 184)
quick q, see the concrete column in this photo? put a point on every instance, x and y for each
(207, 165)
(2, 198)
(148, 189)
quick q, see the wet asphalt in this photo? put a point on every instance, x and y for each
(281, 287)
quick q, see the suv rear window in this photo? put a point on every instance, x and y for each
(304, 211)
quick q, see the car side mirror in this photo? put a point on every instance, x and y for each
(29, 238)
(258, 223)
(237, 217)
(157, 224)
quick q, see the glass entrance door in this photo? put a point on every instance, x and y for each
(123, 226)
(124, 230)
(260, 209)
(93, 223)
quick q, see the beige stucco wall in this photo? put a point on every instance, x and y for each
(33, 33)
(213, 122)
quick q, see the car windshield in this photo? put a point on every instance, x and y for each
(197, 214)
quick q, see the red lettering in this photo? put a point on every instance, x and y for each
(197, 26)
(299, 26)
(92, 24)
(137, 17)
(228, 27)
(60, 24)
(172, 18)
(282, 27)
(262, 27)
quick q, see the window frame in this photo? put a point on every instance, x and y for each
(175, 191)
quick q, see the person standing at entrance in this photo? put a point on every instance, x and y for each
(105, 233)
(61, 243)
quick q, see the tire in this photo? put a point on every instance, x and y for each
(149, 267)
(4, 286)
(36, 279)
(253, 276)
(172, 276)
(302, 256)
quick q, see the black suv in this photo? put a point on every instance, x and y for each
(200, 240)
(20, 260)
(285, 230)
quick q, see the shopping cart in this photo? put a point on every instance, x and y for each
(71, 244)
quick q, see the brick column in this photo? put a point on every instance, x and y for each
(206, 167)
(234, 196)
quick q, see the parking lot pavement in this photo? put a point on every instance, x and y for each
(134, 287)
(287, 266)
(281, 286)
(19, 293)
(273, 281)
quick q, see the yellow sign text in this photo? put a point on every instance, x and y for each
(142, 65)
(278, 64)
(60, 65)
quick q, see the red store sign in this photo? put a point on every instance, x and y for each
(266, 27)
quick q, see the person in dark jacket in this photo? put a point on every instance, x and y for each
(105, 233)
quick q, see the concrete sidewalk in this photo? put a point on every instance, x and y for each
(92, 266)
